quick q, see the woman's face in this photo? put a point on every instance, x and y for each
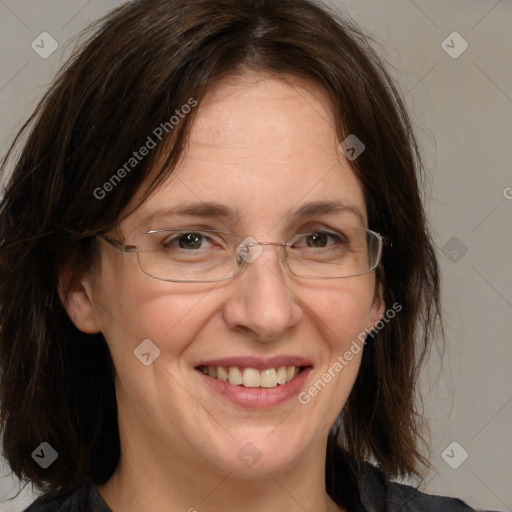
(262, 149)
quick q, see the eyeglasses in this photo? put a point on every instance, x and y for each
(187, 255)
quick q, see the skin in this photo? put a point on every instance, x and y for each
(179, 439)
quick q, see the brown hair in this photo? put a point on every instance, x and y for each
(140, 64)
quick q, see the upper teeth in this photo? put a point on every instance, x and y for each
(250, 377)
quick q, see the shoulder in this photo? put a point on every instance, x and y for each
(377, 495)
(404, 497)
(84, 499)
(362, 487)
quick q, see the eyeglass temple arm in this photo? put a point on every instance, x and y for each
(385, 241)
(119, 245)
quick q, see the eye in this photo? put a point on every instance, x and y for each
(319, 240)
(188, 241)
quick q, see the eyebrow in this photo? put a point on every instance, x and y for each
(325, 207)
(199, 209)
(218, 210)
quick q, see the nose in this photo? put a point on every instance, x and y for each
(263, 300)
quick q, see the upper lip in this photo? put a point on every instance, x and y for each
(258, 363)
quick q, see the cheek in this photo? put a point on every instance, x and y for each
(342, 312)
(340, 316)
(133, 307)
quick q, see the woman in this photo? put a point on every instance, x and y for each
(215, 264)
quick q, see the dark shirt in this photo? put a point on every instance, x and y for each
(374, 495)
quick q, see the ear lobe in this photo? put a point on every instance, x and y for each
(376, 313)
(75, 293)
(378, 307)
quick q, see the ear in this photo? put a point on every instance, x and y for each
(75, 292)
(377, 309)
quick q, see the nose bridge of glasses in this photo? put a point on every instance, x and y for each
(250, 249)
(282, 244)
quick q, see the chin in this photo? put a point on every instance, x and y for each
(257, 455)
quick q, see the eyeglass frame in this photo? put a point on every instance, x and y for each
(129, 248)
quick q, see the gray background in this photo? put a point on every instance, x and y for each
(462, 110)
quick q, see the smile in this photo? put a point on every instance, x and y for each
(251, 377)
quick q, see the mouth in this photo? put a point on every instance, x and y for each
(252, 377)
(255, 383)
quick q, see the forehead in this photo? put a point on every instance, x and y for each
(261, 145)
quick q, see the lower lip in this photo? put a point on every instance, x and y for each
(257, 398)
